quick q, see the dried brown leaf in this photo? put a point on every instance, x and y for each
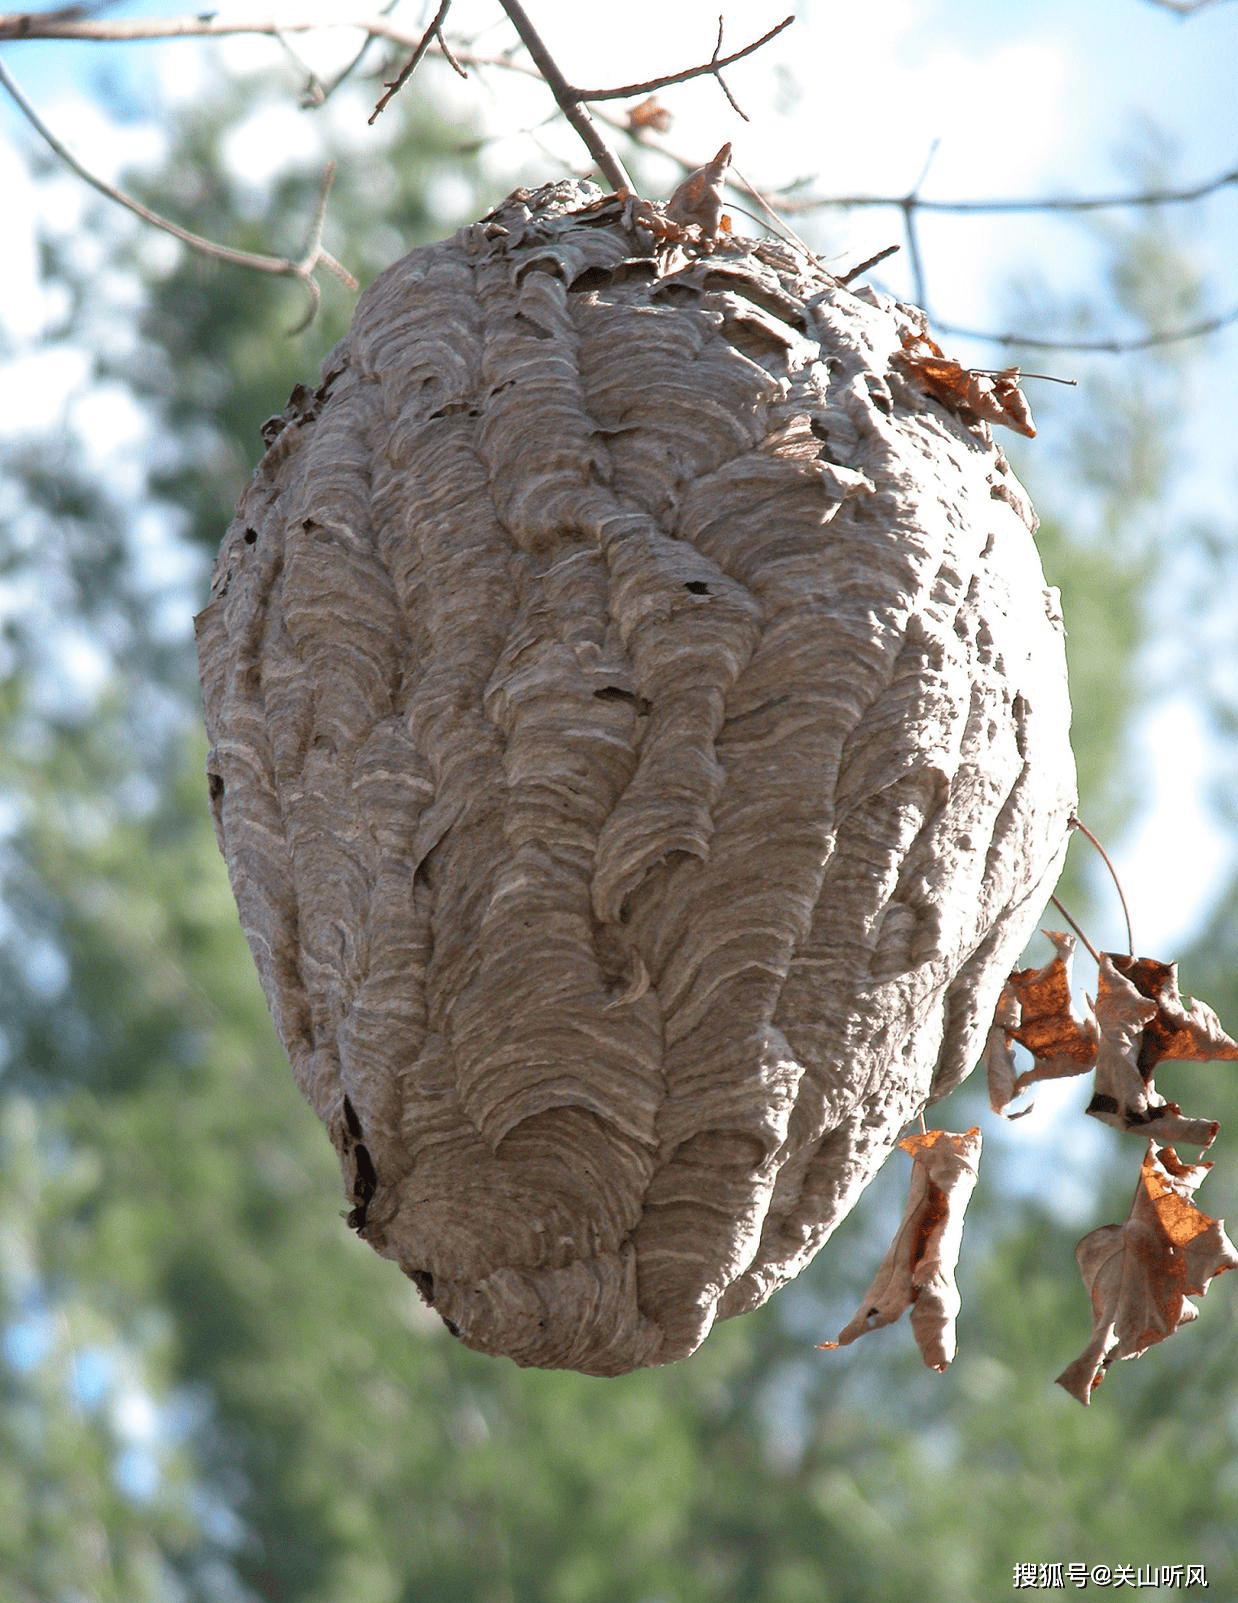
(1140, 1274)
(699, 198)
(996, 398)
(1125, 1096)
(918, 1270)
(1187, 1034)
(1062, 1043)
(1001, 1070)
(649, 115)
(1011, 403)
(1037, 1010)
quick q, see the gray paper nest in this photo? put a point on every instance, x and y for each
(640, 750)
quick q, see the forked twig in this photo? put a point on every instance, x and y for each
(716, 65)
(390, 90)
(629, 91)
(281, 266)
(570, 101)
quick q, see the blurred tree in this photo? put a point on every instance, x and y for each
(210, 1388)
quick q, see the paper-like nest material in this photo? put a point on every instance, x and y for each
(640, 750)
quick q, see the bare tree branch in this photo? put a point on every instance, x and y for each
(76, 23)
(1048, 203)
(710, 68)
(569, 99)
(69, 23)
(410, 66)
(1107, 347)
(302, 270)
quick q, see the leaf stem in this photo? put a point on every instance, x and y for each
(1077, 823)
(1092, 952)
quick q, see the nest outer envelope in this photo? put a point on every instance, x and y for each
(640, 751)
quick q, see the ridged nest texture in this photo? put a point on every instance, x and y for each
(640, 750)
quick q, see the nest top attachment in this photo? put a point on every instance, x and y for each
(640, 750)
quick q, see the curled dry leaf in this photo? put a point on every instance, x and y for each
(918, 1270)
(1001, 1070)
(1134, 1025)
(699, 198)
(1188, 1034)
(1061, 1042)
(1036, 1010)
(996, 398)
(1140, 1274)
(649, 115)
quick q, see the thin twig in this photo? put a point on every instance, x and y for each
(1106, 347)
(205, 25)
(919, 294)
(716, 67)
(1045, 203)
(1077, 823)
(346, 71)
(393, 88)
(314, 253)
(774, 221)
(280, 266)
(909, 204)
(448, 57)
(568, 99)
(315, 92)
(869, 261)
(1049, 378)
(629, 91)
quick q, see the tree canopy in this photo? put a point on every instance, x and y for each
(208, 1388)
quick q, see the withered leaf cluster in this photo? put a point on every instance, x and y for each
(692, 216)
(699, 198)
(1140, 1274)
(1138, 1020)
(973, 395)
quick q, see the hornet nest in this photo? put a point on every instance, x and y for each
(639, 744)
